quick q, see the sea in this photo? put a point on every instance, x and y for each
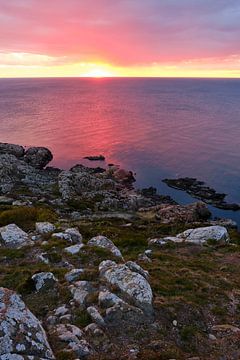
(157, 127)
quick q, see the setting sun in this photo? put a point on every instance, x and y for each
(98, 73)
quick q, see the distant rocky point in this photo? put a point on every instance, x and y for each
(199, 190)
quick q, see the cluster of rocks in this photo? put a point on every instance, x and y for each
(169, 214)
(199, 236)
(117, 297)
(22, 335)
(199, 190)
(89, 189)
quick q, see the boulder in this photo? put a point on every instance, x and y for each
(12, 149)
(80, 291)
(12, 236)
(38, 157)
(95, 315)
(124, 176)
(75, 235)
(107, 299)
(171, 214)
(74, 249)
(72, 336)
(203, 234)
(45, 227)
(73, 275)
(132, 285)
(137, 268)
(44, 281)
(16, 173)
(21, 334)
(72, 184)
(105, 243)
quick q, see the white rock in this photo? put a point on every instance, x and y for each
(93, 329)
(95, 315)
(202, 235)
(61, 310)
(131, 284)
(80, 291)
(62, 236)
(105, 243)
(106, 264)
(45, 227)
(137, 268)
(14, 237)
(107, 299)
(73, 337)
(75, 235)
(68, 332)
(73, 275)
(74, 249)
(20, 330)
(163, 241)
(44, 280)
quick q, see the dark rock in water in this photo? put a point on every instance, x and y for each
(38, 157)
(95, 158)
(199, 190)
(12, 149)
(151, 193)
(90, 170)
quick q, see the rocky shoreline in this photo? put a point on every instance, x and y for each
(199, 190)
(92, 268)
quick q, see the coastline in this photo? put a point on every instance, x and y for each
(111, 271)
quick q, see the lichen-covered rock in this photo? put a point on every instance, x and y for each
(45, 227)
(12, 149)
(137, 268)
(12, 236)
(73, 275)
(105, 243)
(75, 235)
(73, 337)
(16, 173)
(95, 315)
(133, 285)
(38, 157)
(44, 281)
(74, 249)
(107, 299)
(203, 234)
(81, 181)
(21, 334)
(80, 291)
(170, 214)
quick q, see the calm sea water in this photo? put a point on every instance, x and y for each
(157, 127)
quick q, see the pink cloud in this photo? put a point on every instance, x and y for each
(122, 32)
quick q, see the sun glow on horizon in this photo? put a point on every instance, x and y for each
(13, 65)
(98, 73)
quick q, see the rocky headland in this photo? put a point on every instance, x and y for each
(92, 268)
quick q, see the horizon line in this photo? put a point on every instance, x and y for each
(120, 77)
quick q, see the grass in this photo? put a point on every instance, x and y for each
(26, 217)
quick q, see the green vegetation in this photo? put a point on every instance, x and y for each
(25, 216)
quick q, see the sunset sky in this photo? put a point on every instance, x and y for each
(120, 38)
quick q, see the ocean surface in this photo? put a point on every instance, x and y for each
(156, 127)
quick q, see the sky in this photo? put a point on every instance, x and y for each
(186, 38)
